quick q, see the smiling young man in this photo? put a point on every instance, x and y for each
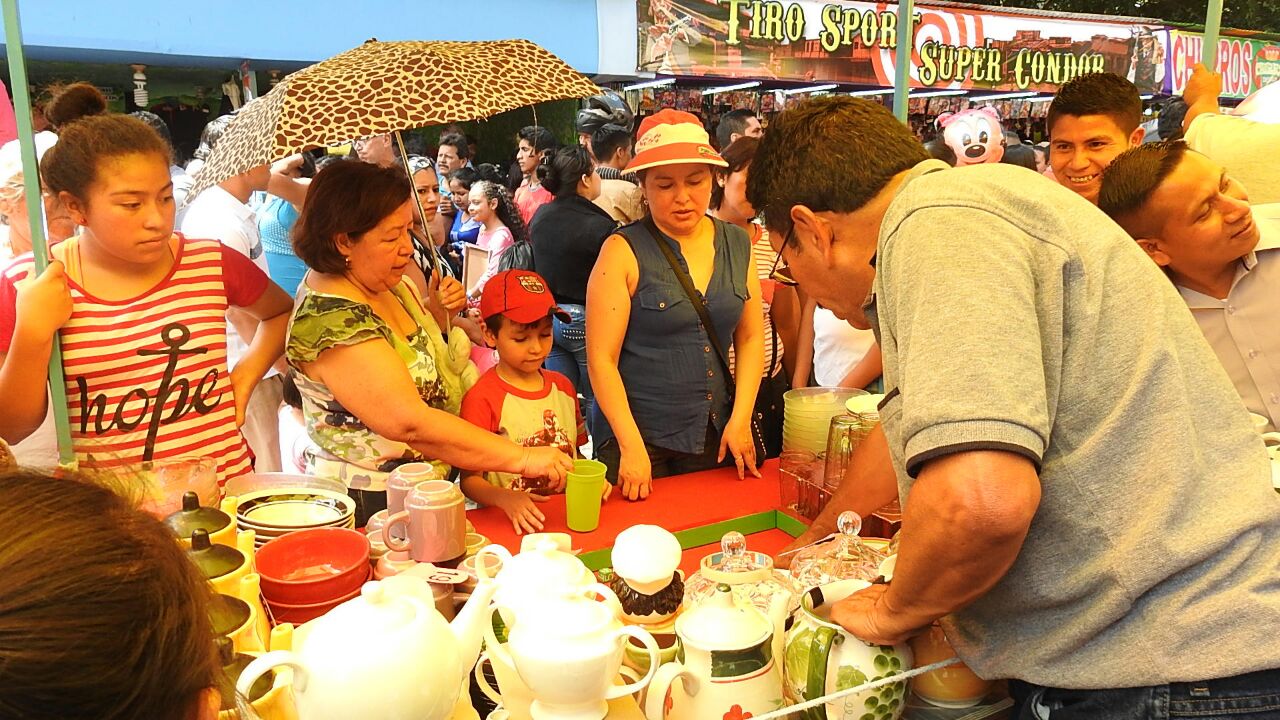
(1052, 417)
(1196, 223)
(1093, 119)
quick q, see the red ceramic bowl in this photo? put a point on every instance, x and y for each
(298, 614)
(315, 566)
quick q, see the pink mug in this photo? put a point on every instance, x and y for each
(403, 480)
(436, 520)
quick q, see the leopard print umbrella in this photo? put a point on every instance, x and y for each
(381, 87)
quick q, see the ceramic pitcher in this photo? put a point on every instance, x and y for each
(567, 651)
(821, 658)
(729, 671)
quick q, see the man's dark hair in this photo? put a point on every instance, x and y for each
(459, 143)
(734, 121)
(606, 140)
(539, 137)
(830, 153)
(1098, 94)
(1169, 122)
(1020, 154)
(1130, 179)
(938, 149)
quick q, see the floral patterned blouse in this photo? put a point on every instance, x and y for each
(343, 447)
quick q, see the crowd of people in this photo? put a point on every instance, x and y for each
(1088, 505)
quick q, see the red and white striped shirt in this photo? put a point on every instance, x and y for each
(147, 377)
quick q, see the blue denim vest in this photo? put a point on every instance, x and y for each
(675, 383)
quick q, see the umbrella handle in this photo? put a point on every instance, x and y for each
(417, 201)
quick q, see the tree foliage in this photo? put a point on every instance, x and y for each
(1261, 15)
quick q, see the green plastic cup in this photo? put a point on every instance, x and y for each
(583, 488)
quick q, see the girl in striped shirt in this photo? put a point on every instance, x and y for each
(140, 310)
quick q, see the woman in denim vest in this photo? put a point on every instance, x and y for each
(663, 405)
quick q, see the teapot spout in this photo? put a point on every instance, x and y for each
(468, 626)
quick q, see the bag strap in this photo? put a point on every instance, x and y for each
(699, 304)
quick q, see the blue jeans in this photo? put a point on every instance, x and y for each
(1254, 695)
(569, 356)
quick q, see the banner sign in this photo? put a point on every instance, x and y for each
(855, 42)
(1245, 64)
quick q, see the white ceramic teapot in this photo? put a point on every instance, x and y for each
(418, 668)
(568, 650)
(729, 667)
(541, 570)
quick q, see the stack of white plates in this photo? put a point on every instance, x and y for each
(807, 416)
(275, 512)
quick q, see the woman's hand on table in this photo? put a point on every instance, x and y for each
(868, 615)
(635, 475)
(736, 441)
(547, 462)
(521, 508)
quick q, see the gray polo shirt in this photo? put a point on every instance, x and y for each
(1014, 315)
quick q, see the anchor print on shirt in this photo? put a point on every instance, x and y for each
(200, 399)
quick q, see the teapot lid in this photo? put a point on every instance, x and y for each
(379, 613)
(227, 613)
(645, 553)
(735, 558)
(192, 517)
(846, 558)
(541, 566)
(719, 623)
(233, 665)
(213, 560)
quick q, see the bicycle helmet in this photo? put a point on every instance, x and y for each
(602, 110)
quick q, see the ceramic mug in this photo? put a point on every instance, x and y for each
(403, 480)
(435, 513)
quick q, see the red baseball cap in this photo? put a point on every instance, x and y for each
(520, 296)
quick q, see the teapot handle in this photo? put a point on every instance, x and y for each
(495, 650)
(650, 646)
(259, 667)
(819, 658)
(482, 569)
(607, 593)
(656, 699)
(393, 541)
(483, 681)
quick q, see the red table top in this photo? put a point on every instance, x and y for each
(679, 502)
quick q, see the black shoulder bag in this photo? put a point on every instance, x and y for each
(700, 306)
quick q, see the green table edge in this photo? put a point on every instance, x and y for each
(710, 534)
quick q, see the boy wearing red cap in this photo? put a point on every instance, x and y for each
(518, 399)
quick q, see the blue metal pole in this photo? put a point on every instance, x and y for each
(35, 212)
(902, 69)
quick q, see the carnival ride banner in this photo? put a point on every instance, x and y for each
(855, 42)
(1245, 64)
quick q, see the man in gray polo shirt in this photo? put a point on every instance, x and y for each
(1086, 505)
